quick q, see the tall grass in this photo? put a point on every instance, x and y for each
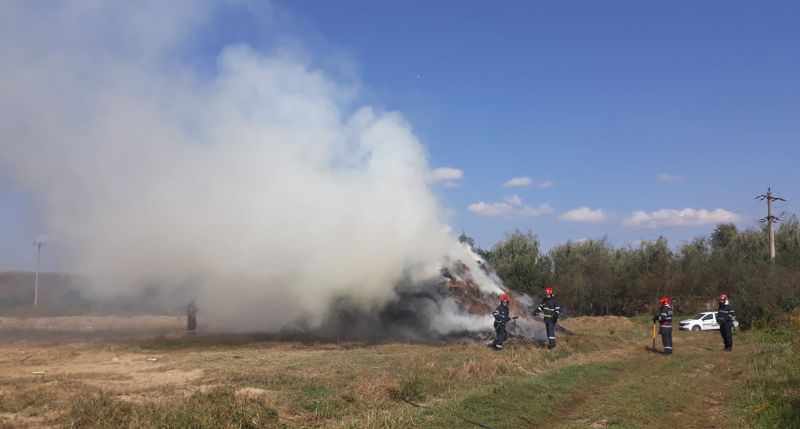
(217, 409)
(771, 391)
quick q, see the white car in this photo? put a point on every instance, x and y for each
(705, 321)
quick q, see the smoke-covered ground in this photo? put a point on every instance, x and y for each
(451, 307)
(248, 177)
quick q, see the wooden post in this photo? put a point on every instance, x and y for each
(39, 245)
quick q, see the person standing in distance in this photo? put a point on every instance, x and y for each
(191, 317)
(725, 318)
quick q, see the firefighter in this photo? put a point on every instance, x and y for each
(664, 318)
(501, 317)
(191, 317)
(550, 309)
(725, 318)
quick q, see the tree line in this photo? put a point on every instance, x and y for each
(593, 277)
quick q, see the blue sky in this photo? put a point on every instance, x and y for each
(599, 98)
(618, 106)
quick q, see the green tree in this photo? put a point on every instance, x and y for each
(591, 277)
(584, 276)
(518, 262)
(787, 242)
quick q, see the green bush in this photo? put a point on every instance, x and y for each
(411, 389)
(592, 277)
(771, 391)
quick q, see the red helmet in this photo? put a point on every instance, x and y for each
(504, 298)
(664, 300)
(723, 297)
(548, 291)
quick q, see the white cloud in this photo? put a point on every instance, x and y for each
(584, 214)
(518, 181)
(669, 178)
(513, 199)
(685, 217)
(541, 210)
(452, 184)
(443, 174)
(490, 209)
(512, 209)
(527, 181)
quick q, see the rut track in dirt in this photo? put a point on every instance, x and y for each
(694, 372)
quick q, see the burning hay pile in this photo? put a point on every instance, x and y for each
(464, 288)
(457, 305)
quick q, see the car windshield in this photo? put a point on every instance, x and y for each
(698, 316)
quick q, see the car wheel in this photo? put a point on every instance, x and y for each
(695, 328)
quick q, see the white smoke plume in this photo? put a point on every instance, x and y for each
(256, 183)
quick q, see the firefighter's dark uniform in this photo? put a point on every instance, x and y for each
(191, 318)
(664, 318)
(550, 312)
(725, 316)
(501, 316)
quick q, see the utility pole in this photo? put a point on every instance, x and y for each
(770, 219)
(38, 245)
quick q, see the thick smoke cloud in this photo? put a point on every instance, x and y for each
(256, 183)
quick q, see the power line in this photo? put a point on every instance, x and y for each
(770, 219)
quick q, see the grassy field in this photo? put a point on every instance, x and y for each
(602, 376)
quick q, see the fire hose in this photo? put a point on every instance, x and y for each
(472, 422)
(513, 318)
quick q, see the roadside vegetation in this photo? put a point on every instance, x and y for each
(592, 277)
(770, 395)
